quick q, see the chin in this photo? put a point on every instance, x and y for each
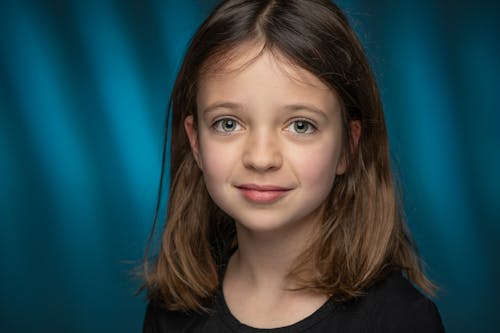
(265, 223)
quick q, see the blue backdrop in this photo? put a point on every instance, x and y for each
(83, 91)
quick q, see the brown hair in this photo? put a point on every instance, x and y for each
(363, 234)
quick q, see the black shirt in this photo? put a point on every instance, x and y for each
(393, 305)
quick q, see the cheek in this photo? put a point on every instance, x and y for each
(218, 160)
(317, 167)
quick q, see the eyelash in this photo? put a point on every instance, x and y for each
(218, 123)
(311, 128)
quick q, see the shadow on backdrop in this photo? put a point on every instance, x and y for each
(83, 91)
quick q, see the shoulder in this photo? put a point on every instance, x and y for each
(159, 319)
(395, 305)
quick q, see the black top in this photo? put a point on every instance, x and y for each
(393, 305)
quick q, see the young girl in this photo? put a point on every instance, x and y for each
(282, 213)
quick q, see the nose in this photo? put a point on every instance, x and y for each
(262, 152)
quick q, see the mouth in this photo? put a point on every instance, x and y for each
(262, 193)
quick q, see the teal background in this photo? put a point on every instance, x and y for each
(83, 92)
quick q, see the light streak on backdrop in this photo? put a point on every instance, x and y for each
(83, 90)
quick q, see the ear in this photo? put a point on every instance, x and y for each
(355, 133)
(192, 135)
(355, 127)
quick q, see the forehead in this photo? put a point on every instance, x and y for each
(252, 69)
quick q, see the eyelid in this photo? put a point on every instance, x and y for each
(305, 120)
(218, 120)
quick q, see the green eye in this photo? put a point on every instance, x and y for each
(301, 127)
(226, 125)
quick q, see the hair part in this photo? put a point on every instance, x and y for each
(362, 236)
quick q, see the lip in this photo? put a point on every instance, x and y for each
(262, 193)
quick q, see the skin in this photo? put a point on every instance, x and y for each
(264, 139)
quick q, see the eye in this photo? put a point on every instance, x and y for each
(226, 125)
(301, 127)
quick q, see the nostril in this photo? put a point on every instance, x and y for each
(262, 152)
(261, 160)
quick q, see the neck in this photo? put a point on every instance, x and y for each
(255, 284)
(264, 258)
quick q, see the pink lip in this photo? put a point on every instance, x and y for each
(262, 193)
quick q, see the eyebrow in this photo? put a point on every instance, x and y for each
(224, 105)
(308, 107)
(289, 107)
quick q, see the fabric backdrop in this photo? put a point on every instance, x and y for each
(83, 91)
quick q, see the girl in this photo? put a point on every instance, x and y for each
(282, 214)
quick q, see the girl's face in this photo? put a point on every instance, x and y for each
(268, 141)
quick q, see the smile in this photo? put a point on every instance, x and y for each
(262, 194)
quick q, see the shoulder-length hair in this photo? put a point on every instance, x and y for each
(363, 235)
